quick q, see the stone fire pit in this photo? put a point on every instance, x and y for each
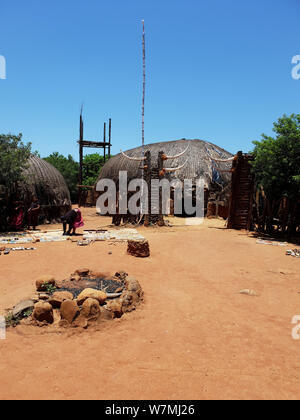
(85, 298)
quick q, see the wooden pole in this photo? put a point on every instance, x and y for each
(109, 137)
(80, 148)
(104, 140)
(147, 177)
(80, 156)
(234, 186)
(160, 165)
(143, 110)
(144, 88)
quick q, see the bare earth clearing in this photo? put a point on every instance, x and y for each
(194, 337)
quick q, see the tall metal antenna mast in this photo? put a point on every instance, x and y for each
(144, 87)
(143, 113)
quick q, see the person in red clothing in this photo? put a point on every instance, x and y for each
(78, 221)
(33, 213)
(74, 219)
(17, 214)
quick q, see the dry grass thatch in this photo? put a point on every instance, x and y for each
(43, 180)
(198, 164)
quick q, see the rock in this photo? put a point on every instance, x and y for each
(91, 293)
(106, 315)
(90, 308)
(248, 292)
(80, 322)
(56, 316)
(58, 298)
(100, 275)
(89, 313)
(138, 248)
(121, 274)
(24, 306)
(69, 310)
(43, 312)
(132, 296)
(286, 272)
(82, 272)
(34, 299)
(41, 281)
(63, 323)
(43, 296)
(115, 307)
(127, 302)
(26, 321)
(75, 277)
(132, 285)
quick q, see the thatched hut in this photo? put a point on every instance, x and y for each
(197, 157)
(44, 181)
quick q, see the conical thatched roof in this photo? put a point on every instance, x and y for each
(43, 180)
(198, 164)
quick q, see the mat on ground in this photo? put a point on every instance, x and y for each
(113, 235)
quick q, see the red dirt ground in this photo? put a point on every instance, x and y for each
(194, 337)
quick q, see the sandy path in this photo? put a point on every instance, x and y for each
(194, 337)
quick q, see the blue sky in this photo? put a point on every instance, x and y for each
(218, 70)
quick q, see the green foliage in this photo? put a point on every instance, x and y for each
(10, 321)
(28, 313)
(13, 159)
(91, 168)
(277, 160)
(49, 288)
(69, 170)
(14, 155)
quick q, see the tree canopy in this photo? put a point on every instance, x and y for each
(69, 170)
(14, 155)
(91, 168)
(277, 159)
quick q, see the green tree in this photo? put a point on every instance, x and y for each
(277, 159)
(68, 167)
(14, 155)
(92, 165)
